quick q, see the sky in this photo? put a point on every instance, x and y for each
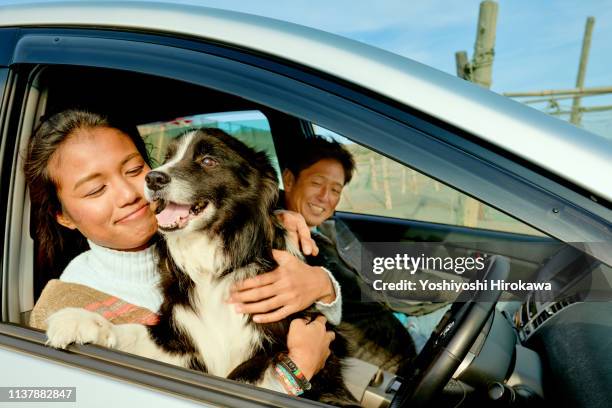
(538, 43)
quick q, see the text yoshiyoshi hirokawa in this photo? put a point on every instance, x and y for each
(457, 286)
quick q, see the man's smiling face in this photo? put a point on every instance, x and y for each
(316, 191)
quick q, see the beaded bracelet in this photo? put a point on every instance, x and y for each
(288, 381)
(285, 361)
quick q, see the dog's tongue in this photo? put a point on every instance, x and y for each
(173, 212)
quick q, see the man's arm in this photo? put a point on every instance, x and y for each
(293, 286)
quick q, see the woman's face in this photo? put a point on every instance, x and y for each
(100, 181)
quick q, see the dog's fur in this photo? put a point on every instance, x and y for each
(227, 235)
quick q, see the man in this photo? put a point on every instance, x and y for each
(313, 183)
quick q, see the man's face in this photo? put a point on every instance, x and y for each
(316, 191)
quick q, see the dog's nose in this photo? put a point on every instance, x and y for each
(156, 180)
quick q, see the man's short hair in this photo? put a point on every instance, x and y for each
(314, 149)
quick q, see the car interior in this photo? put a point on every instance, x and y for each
(531, 350)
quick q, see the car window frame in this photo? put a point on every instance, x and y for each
(444, 153)
(11, 110)
(4, 91)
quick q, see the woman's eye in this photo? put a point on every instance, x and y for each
(95, 192)
(135, 171)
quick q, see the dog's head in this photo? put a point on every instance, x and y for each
(210, 178)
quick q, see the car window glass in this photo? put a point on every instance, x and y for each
(382, 186)
(250, 127)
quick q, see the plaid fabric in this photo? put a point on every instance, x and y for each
(58, 295)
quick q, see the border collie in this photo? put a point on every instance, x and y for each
(214, 198)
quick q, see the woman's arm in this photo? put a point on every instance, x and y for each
(308, 345)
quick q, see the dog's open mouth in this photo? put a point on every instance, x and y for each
(172, 216)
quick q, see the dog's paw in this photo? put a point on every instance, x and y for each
(74, 325)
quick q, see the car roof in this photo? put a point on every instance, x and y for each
(563, 149)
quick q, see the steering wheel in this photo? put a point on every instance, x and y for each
(454, 336)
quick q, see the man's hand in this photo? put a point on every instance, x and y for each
(291, 287)
(308, 344)
(298, 231)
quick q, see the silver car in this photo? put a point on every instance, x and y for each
(439, 160)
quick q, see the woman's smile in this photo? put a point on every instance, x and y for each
(134, 215)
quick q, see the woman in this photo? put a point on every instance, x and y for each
(86, 181)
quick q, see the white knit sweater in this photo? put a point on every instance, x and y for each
(133, 277)
(130, 276)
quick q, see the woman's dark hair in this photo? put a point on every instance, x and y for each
(314, 149)
(56, 245)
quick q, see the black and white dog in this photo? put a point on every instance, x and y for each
(214, 198)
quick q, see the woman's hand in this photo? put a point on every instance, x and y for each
(298, 232)
(291, 287)
(308, 344)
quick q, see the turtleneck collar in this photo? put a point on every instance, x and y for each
(127, 266)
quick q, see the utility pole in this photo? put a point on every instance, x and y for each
(479, 71)
(482, 65)
(464, 68)
(584, 57)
